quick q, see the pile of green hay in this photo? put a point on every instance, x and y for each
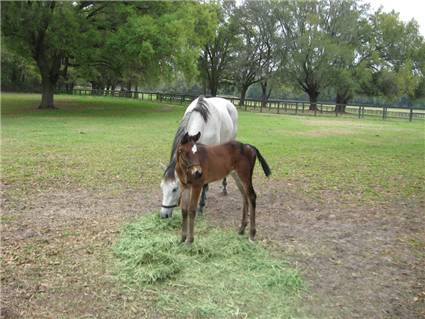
(221, 275)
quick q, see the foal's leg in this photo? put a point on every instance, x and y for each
(194, 197)
(253, 199)
(202, 201)
(244, 171)
(184, 204)
(224, 183)
(244, 221)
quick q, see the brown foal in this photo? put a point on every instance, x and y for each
(199, 164)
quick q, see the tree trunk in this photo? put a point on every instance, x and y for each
(204, 87)
(313, 95)
(243, 95)
(47, 93)
(264, 94)
(342, 98)
(213, 87)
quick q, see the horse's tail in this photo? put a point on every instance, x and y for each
(264, 165)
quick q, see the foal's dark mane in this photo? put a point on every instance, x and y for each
(202, 108)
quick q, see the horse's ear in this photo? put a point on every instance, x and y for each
(196, 137)
(185, 138)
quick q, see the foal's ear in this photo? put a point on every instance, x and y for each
(196, 137)
(185, 138)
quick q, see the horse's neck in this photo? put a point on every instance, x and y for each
(196, 124)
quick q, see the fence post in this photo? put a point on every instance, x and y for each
(383, 112)
(303, 107)
(296, 107)
(278, 104)
(411, 114)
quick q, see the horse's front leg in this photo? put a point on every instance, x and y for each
(203, 198)
(194, 197)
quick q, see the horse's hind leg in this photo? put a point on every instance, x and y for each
(203, 198)
(224, 183)
(244, 221)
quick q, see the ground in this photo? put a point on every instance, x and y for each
(348, 212)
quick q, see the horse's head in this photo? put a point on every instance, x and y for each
(188, 157)
(170, 196)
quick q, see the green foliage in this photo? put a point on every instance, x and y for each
(397, 61)
(318, 39)
(109, 42)
(17, 72)
(221, 274)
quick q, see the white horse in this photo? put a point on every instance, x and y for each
(216, 118)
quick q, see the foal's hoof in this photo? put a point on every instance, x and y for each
(252, 240)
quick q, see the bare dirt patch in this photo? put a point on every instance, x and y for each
(359, 262)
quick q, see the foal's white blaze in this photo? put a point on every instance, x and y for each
(194, 149)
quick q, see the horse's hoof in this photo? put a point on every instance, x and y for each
(241, 231)
(252, 240)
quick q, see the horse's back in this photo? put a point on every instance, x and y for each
(221, 125)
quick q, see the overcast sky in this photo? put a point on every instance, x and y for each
(408, 9)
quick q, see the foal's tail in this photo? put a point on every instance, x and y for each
(263, 162)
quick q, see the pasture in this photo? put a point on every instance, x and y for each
(340, 221)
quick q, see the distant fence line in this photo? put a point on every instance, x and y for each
(272, 106)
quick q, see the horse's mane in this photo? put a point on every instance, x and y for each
(202, 108)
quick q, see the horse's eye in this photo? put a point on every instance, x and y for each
(175, 189)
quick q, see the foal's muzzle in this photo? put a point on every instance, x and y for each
(196, 171)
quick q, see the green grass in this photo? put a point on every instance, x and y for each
(222, 275)
(115, 143)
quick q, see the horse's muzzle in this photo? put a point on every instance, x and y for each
(196, 171)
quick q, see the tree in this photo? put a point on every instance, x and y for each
(313, 35)
(346, 24)
(216, 55)
(256, 56)
(398, 64)
(45, 31)
(106, 41)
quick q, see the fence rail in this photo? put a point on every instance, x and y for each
(272, 106)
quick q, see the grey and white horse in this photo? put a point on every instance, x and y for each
(216, 118)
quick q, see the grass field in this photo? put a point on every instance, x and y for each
(103, 148)
(111, 142)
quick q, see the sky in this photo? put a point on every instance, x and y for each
(408, 9)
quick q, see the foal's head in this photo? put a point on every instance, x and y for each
(188, 156)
